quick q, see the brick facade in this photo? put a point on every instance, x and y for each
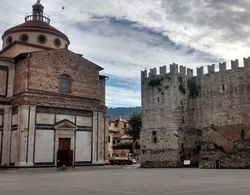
(49, 94)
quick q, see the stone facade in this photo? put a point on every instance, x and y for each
(50, 99)
(200, 118)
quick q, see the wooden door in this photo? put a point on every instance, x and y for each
(64, 154)
(64, 143)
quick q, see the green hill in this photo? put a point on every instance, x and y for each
(123, 112)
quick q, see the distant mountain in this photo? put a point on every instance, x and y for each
(123, 112)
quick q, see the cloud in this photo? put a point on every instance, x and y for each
(218, 27)
(119, 44)
(119, 97)
(125, 36)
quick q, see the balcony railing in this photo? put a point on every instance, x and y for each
(37, 18)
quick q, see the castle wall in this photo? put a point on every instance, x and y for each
(223, 98)
(192, 110)
(221, 110)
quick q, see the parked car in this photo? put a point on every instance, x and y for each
(132, 160)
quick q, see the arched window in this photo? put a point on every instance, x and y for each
(65, 83)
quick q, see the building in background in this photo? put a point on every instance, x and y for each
(52, 100)
(117, 134)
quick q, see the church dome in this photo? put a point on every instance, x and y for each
(36, 30)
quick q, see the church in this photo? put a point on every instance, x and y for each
(52, 100)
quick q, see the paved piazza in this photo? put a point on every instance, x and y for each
(123, 181)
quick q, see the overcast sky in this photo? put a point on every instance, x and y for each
(127, 36)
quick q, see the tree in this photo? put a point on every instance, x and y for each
(134, 128)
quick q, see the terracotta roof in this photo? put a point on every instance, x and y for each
(6, 59)
(119, 120)
(122, 136)
(56, 50)
(22, 43)
(36, 26)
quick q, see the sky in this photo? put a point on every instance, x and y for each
(127, 36)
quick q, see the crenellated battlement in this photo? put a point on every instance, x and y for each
(222, 67)
(197, 116)
(175, 69)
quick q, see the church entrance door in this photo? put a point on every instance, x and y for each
(64, 154)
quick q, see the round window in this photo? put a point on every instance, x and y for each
(42, 39)
(9, 40)
(57, 42)
(24, 38)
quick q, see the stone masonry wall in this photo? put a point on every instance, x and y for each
(223, 97)
(210, 108)
(164, 102)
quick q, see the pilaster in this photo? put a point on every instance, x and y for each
(106, 135)
(31, 134)
(6, 136)
(101, 138)
(94, 138)
(23, 132)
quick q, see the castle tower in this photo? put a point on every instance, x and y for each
(165, 117)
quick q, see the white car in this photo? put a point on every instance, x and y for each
(133, 160)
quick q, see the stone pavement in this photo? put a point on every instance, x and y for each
(112, 180)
